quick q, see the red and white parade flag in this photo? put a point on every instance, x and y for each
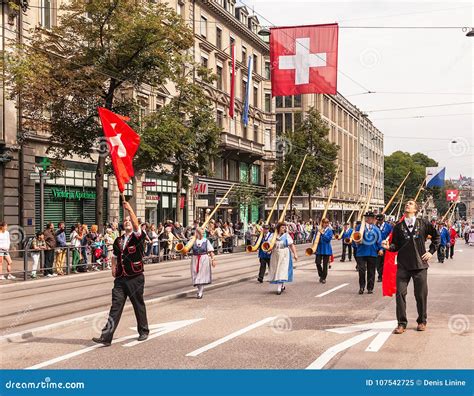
(452, 195)
(304, 59)
(123, 143)
(232, 83)
(389, 279)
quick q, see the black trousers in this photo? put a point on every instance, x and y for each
(322, 269)
(450, 252)
(380, 261)
(366, 267)
(420, 282)
(441, 253)
(133, 289)
(349, 251)
(48, 262)
(264, 264)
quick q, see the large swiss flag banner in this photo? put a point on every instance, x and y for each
(452, 195)
(123, 143)
(304, 59)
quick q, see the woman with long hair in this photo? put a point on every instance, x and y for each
(4, 251)
(281, 261)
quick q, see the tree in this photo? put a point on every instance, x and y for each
(310, 138)
(98, 48)
(186, 132)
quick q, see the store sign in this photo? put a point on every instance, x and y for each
(149, 184)
(201, 188)
(73, 195)
(154, 198)
(223, 201)
(201, 203)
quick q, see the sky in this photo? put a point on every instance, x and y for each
(405, 67)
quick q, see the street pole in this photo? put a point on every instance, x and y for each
(41, 172)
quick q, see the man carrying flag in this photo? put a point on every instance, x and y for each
(129, 249)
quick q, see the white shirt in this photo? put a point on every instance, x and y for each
(410, 221)
(5, 240)
(126, 237)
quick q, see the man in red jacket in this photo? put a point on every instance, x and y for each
(452, 241)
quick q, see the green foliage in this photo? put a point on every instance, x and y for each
(312, 139)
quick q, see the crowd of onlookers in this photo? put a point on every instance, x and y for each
(89, 250)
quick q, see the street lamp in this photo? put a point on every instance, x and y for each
(470, 33)
(266, 32)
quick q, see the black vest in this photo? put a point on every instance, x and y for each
(130, 256)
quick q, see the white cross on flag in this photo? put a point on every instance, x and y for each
(452, 195)
(304, 59)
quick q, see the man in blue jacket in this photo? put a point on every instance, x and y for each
(264, 257)
(444, 241)
(367, 252)
(346, 234)
(324, 250)
(385, 230)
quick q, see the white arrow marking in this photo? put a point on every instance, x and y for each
(382, 331)
(230, 336)
(333, 289)
(162, 329)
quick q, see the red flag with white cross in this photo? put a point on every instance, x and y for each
(123, 143)
(304, 59)
(452, 195)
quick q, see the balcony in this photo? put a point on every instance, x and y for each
(241, 148)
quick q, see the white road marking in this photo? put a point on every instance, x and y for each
(230, 336)
(160, 329)
(331, 290)
(382, 331)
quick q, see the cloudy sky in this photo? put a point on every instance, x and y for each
(406, 67)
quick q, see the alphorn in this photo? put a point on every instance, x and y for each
(268, 245)
(255, 247)
(311, 250)
(358, 236)
(348, 220)
(395, 193)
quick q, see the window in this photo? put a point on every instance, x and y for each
(288, 101)
(46, 14)
(218, 38)
(219, 168)
(244, 131)
(279, 123)
(297, 101)
(255, 64)
(268, 102)
(297, 117)
(255, 134)
(255, 174)
(203, 26)
(233, 171)
(244, 55)
(255, 96)
(179, 9)
(232, 42)
(244, 89)
(288, 122)
(267, 70)
(279, 102)
(220, 119)
(268, 139)
(244, 172)
(219, 77)
(204, 60)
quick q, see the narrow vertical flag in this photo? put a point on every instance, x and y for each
(232, 83)
(245, 115)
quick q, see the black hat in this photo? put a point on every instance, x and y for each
(369, 214)
(380, 216)
(346, 223)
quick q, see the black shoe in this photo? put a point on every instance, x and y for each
(323, 281)
(142, 337)
(100, 340)
(320, 280)
(279, 292)
(283, 288)
(350, 259)
(361, 291)
(260, 280)
(341, 260)
(370, 292)
(330, 266)
(379, 280)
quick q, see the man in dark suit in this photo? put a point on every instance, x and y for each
(127, 268)
(408, 239)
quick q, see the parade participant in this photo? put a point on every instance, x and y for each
(127, 269)
(354, 246)
(264, 257)
(346, 245)
(452, 241)
(408, 239)
(444, 241)
(368, 249)
(385, 230)
(201, 272)
(466, 231)
(324, 250)
(281, 261)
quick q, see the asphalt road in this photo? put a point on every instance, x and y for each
(242, 324)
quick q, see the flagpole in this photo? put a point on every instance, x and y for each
(421, 188)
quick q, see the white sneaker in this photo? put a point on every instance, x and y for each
(49, 276)
(54, 275)
(10, 276)
(2, 277)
